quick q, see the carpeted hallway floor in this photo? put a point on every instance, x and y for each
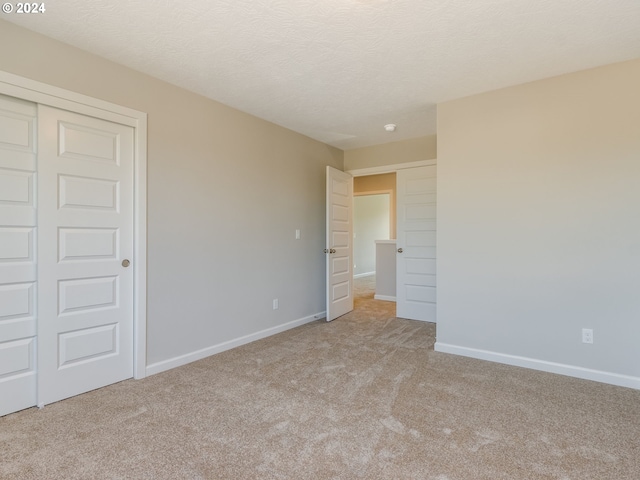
(363, 397)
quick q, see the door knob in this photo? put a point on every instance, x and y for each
(326, 250)
(126, 263)
(333, 250)
(400, 250)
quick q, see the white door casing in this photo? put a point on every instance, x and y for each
(17, 254)
(85, 223)
(416, 243)
(339, 243)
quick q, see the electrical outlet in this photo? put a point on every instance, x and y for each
(587, 335)
(297, 234)
(275, 303)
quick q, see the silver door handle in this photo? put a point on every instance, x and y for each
(326, 250)
(400, 250)
(332, 250)
(126, 263)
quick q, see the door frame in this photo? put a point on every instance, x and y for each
(392, 168)
(38, 92)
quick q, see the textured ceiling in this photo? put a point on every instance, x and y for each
(338, 70)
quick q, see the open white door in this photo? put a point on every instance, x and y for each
(339, 243)
(85, 281)
(416, 243)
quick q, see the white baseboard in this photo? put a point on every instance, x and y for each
(366, 274)
(386, 298)
(228, 345)
(542, 365)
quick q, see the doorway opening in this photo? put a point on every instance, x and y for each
(412, 213)
(374, 215)
(370, 224)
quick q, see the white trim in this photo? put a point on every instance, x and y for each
(366, 274)
(228, 345)
(359, 172)
(542, 365)
(140, 251)
(386, 298)
(372, 192)
(37, 92)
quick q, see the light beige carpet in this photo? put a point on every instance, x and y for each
(363, 397)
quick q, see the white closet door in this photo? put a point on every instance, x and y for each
(85, 222)
(416, 242)
(17, 254)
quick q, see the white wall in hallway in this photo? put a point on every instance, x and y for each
(370, 223)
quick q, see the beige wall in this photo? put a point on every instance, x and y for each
(369, 184)
(226, 192)
(539, 224)
(413, 150)
(370, 223)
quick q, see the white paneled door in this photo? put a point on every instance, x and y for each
(85, 248)
(66, 247)
(17, 254)
(416, 243)
(339, 243)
